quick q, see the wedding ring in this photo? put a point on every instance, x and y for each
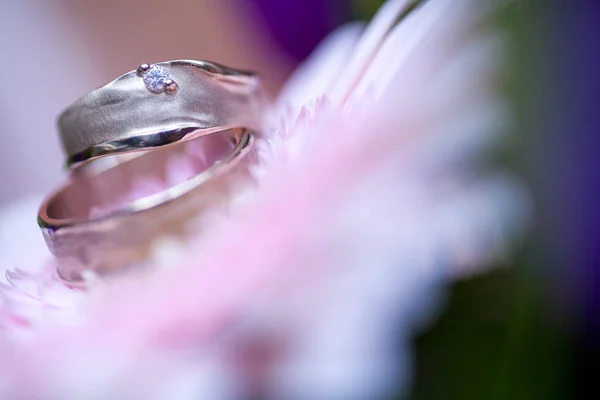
(105, 220)
(158, 105)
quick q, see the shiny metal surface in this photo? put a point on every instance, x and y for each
(124, 116)
(123, 236)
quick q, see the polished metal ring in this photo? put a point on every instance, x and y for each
(157, 105)
(107, 221)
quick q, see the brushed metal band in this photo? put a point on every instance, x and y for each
(157, 105)
(122, 236)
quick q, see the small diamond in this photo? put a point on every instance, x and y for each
(155, 78)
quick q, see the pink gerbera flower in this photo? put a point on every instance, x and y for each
(367, 198)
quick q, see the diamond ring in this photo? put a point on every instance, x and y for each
(157, 105)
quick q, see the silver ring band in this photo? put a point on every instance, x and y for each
(157, 105)
(122, 234)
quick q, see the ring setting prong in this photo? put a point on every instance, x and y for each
(143, 68)
(171, 86)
